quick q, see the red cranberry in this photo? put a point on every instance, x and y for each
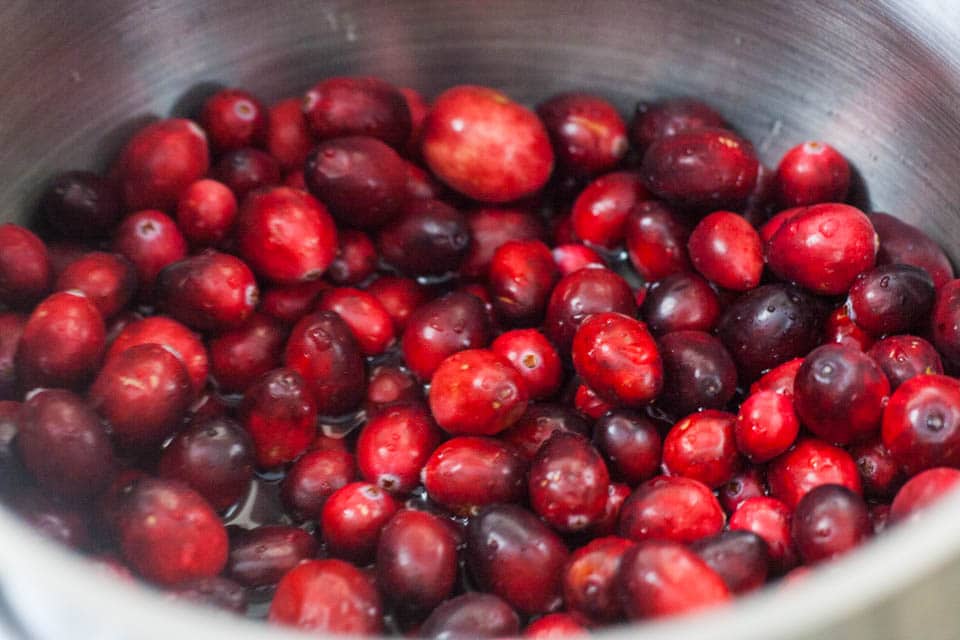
(599, 213)
(63, 444)
(355, 106)
(740, 558)
(25, 269)
(388, 386)
(522, 275)
(659, 578)
(824, 248)
(352, 519)
(143, 392)
(356, 258)
(538, 423)
(169, 534)
(327, 596)
(279, 412)
(726, 249)
(780, 379)
(701, 168)
(213, 591)
(589, 578)
(418, 107)
(587, 402)
(903, 243)
(399, 296)
(746, 484)
(160, 162)
(295, 180)
(81, 204)
(233, 118)
(288, 137)
(921, 423)
(761, 204)
(680, 301)
(515, 556)
(891, 298)
(946, 321)
(290, 302)
(840, 394)
(671, 508)
(811, 173)
(631, 444)
(607, 523)
(430, 238)
(416, 561)
(361, 180)
(466, 473)
(828, 522)
(905, 357)
(323, 350)
(556, 625)
(474, 615)
(491, 228)
(106, 279)
(698, 372)
(260, 557)
(573, 257)
(653, 121)
(62, 253)
(770, 519)
(245, 170)
(313, 478)
(766, 426)
(580, 294)
(587, 132)
(209, 291)
(240, 356)
(808, 465)
(172, 335)
(840, 328)
(368, 320)
(921, 491)
(151, 241)
(11, 329)
(206, 213)
(568, 482)
(470, 130)
(395, 445)
(442, 327)
(702, 447)
(534, 358)
(62, 342)
(771, 226)
(880, 474)
(656, 241)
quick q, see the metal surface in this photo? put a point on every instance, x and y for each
(880, 80)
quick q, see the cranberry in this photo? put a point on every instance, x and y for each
(770, 519)
(766, 426)
(726, 249)
(903, 243)
(288, 303)
(395, 445)
(921, 423)
(534, 358)
(904, 357)
(352, 519)
(246, 170)
(106, 279)
(653, 121)
(467, 133)
(80, 204)
(295, 180)
(589, 578)
(659, 578)
(354, 106)
(590, 404)
(746, 484)
(538, 423)
(213, 591)
(771, 226)
(62, 253)
(11, 472)
(780, 379)
(209, 291)
(279, 413)
(921, 491)
(368, 320)
(808, 465)
(880, 474)
(573, 257)
(556, 625)
(172, 335)
(418, 107)
(25, 269)
(466, 473)
(671, 508)
(260, 557)
(313, 478)
(169, 534)
(474, 615)
(430, 238)
(678, 302)
(491, 228)
(323, 350)
(240, 356)
(811, 173)
(233, 118)
(580, 294)
(151, 241)
(143, 392)
(327, 596)
(388, 386)
(62, 342)
(600, 212)
(356, 258)
(656, 241)
(702, 447)
(768, 326)
(829, 521)
(740, 558)
(361, 180)
(568, 482)
(698, 372)
(522, 275)
(442, 327)
(588, 135)
(607, 523)
(891, 298)
(399, 296)
(840, 328)
(64, 524)
(160, 162)
(416, 561)
(288, 137)
(630, 442)
(946, 321)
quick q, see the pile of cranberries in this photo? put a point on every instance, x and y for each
(365, 364)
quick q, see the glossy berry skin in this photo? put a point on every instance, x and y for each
(288, 137)
(80, 204)
(210, 291)
(556, 625)
(587, 132)
(766, 426)
(823, 248)
(617, 357)
(630, 443)
(400, 297)
(599, 213)
(568, 482)
(580, 294)
(671, 508)
(492, 227)
(606, 525)
(921, 423)
(106, 279)
(353, 518)
(587, 402)
(388, 386)
(62, 342)
(840, 328)
(233, 118)
(726, 249)
(466, 473)
(368, 320)
(659, 578)
(280, 414)
(11, 328)
(395, 445)
(538, 423)
(770, 519)
(701, 169)
(356, 258)
(573, 257)
(514, 555)
(589, 578)
(522, 274)
(442, 327)
(169, 333)
(656, 241)
(476, 392)
(169, 534)
(288, 303)
(354, 106)
(680, 302)
(473, 614)
(891, 298)
(360, 179)
(652, 121)
(828, 522)
(702, 447)
(469, 127)
(416, 561)
(160, 161)
(261, 557)
(313, 478)
(150, 240)
(698, 372)
(839, 394)
(143, 392)
(63, 444)
(740, 558)
(418, 107)
(327, 596)
(747, 483)
(323, 350)
(780, 379)
(904, 357)
(428, 238)
(239, 357)
(921, 491)
(25, 269)
(880, 474)
(285, 235)
(903, 243)
(811, 173)
(808, 465)
(534, 358)
(945, 329)
(246, 170)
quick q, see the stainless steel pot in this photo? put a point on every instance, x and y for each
(880, 80)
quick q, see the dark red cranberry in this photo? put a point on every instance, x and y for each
(702, 447)
(568, 482)
(903, 243)
(698, 372)
(780, 379)
(599, 213)
(352, 519)
(368, 320)
(840, 394)
(295, 180)
(747, 483)
(921, 423)
(587, 132)
(388, 386)
(522, 274)
(607, 523)
(358, 106)
(11, 471)
(213, 591)
(65, 524)
(590, 404)
(808, 465)
(474, 615)
(416, 561)
(556, 625)
(828, 522)
(671, 508)
(489, 229)
(169, 534)
(442, 327)
(288, 137)
(659, 578)
(589, 579)
(880, 474)
(470, 130)
(429, 238)
(580, 294)
(921, 491)
(313, 478)
(233, 118)
(356, 258)
(172, 335)
(290, 302)
(740, 558)
(680, 301)
(280, 414)
(761, 204)
(766, 426)
(891, 298)
(726, 249)
(25, 269)
(150, 240)
(418, 107)
(768, 326)
(701, 168)
(395, 445)
(652, 121)
(399, 296)
(106, 279)
(80, 204)
(62, 253)
(328, 596)
(245, 170)
(160, 161)
(260, 557)
(840, 328)
(210, 291)
(946, 321)
(239, 357)
(770, 519)
(631, 444)
(466, 473)
(62, 342)
(811, 173)
(361, 180)
(656, 241)
(573, 257)
(534, 358)
(538, 423)
(904, 357)
(11, 328)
